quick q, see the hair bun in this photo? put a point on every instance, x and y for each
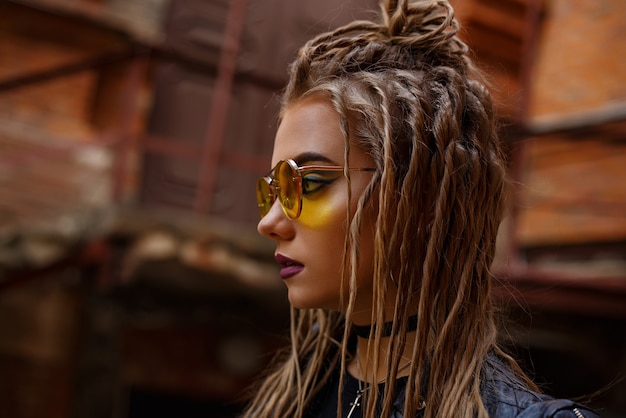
(421, 24)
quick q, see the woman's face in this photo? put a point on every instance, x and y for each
(310, 248)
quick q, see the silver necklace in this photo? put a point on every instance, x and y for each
(359, 393)
(357, 400)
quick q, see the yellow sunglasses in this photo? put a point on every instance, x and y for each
(284, 182)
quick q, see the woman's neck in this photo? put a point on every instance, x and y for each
(362, 365)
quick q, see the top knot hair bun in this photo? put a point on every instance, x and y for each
(421, 24)
(413, 36)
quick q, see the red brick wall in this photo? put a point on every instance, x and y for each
(59, 106)
(573, 190)
(581, 61)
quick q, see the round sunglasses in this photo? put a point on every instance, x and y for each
(284, 182)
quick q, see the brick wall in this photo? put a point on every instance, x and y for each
(581, 64)
(57, 162)
(59, 106)
(570, 188)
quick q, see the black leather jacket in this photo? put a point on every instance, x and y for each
(503, 395)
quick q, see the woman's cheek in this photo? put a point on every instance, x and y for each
(320, 211)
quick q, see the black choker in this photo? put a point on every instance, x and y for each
(363, 331)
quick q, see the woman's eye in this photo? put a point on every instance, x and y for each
(313, 183)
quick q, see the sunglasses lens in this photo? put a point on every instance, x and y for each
(288, 189)
(264, 196)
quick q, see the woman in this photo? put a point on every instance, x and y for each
(390, 183)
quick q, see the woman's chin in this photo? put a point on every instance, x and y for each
(297, 301)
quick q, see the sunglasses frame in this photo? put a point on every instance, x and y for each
(297, 172)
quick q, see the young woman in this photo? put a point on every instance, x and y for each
(384, 201)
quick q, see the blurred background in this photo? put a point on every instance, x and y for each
(132, 280)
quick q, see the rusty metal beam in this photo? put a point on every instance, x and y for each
(220, 104)
(64, 70)
(534, 9)
(128, 113)
(534, 15)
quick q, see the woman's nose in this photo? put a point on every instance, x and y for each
(275, 224)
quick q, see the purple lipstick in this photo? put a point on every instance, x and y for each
(289, 267)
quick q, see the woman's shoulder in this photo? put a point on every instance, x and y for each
(505, 395)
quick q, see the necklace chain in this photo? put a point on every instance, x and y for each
(357, 400)
(361, 391)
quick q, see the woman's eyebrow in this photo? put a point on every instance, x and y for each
(311, 157)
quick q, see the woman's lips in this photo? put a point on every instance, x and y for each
(289, 267)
